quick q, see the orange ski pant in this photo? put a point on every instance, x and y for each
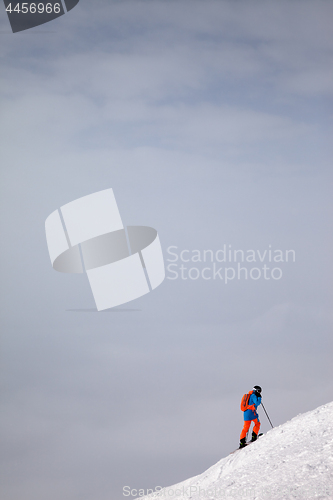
(246, 427)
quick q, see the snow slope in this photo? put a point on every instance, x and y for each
(292, 461)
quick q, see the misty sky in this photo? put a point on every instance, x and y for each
(211, 121)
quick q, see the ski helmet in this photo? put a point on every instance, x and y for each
(257, 388)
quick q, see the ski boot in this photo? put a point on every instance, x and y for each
(254, 437)
(242, 443)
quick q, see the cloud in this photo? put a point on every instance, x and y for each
(214, 81)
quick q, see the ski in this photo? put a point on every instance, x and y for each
(247, 444)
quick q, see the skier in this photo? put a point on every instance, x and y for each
(251, 415)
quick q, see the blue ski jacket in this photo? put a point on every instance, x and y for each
(254, 402)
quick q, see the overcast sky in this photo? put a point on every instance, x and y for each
(211, 121)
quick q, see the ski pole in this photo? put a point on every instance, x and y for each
(267, 415)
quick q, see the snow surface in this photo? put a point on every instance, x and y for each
(292, 461)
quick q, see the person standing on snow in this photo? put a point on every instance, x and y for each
(251, 415)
